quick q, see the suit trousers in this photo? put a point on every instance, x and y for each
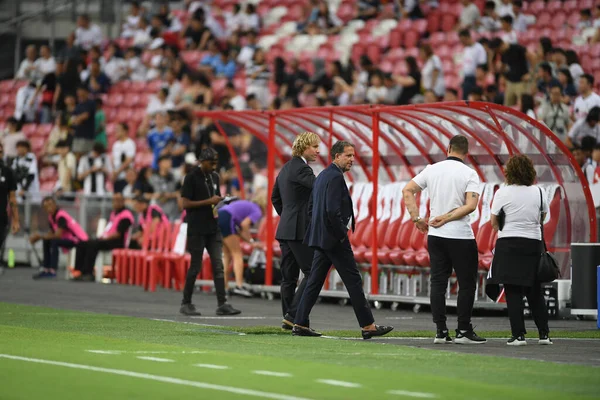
(462, 255)
(213, 244)
(342, 258)
(295, 257)
(537, 305)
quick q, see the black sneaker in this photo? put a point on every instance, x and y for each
(517, 341)
(468, 337)
(226, 309)
(545, 340)
(189, 310)
(442, 337)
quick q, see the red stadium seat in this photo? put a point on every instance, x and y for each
(29, 129)
(43, 130)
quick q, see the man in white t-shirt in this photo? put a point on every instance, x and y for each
(474, 55)
(469, 16)
(27, 68)
(587, 98)
(454, 190)
(86, 34)
(45, 64)
(123, 155)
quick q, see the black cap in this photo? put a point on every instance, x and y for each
(208, 154)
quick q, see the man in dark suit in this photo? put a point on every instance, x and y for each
(290, 197)
(331, 215)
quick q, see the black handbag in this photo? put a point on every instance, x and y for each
(501, 219)
(548, 267)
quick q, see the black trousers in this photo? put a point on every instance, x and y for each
(85, 257)
(537, 305)
(446, 254)
(52, 251)
(342, 259)
(295, 257)
(214, 245)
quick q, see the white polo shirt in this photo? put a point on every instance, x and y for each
(448, 181)
(521, 205)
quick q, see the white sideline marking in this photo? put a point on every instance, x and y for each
(158, 378)
(117, 352)
(273, 373)
(413, 394)
(104, 351)
(339, 383)
(200, 317)
(155, 359)
(211, 366)
(398, 317)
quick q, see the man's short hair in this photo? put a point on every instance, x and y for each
(339, 147)
(99, 148)
(588, 143)
(589, 78)
(464, 33)
(48, 198)
(507, 18)
(495, 43)
(208, 154)
(459, 144)
(163, 157)
(546, 67)
(302, 142)
(24, 143)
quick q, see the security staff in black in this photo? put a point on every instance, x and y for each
(290, 196)
(454, 190)
(8, 188)
(200, 195)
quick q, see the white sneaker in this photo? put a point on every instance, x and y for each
(517, 341)
(545, 340)
(240, 291)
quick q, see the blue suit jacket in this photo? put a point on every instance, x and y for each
(330, 210)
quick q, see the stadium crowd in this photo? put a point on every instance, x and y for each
(119, 115)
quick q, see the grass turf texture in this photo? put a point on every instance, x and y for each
(65, 336)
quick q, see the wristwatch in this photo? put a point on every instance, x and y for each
(416, 219)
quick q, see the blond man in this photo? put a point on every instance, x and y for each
(291, 192)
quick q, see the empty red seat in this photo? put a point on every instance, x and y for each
(29, 129)
(43, 130)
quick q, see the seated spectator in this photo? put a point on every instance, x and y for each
(235, 221)
(411, 9)
(123, 156)
(59, 132)
(153, 65)
(545, 79)
(469, 16)
(432, 72)
(180, 146)
(585, 127)
(164, 183)
(159, 137)
(142, 185)
(45, 64)
(25, 107)
(132, 20)
(489, 20)
(47, 87)
(97, 82)
(224, 67)
(585, 20)
(11, 137)
(258, 76)
(197, 35)
(67, 169)
(527, 105)
(587, 98)
(507, 33)
(555, 114)
(566, 82)
(94, 170)
(476, 94)
(451, 95)
(28, 70)
(141, 37)
(209, 60)
(149, 217)
(367, 9)
(234, 19)
(250, 20)
(115, 66)
(429, 97)
(411, 84)
(130, 179)
(160, 102)
(505, 8)
(234, 98)
(322, 21)
(25, 170)
(171, 22)
(136, 70)
(521, 21)
(173, 85)
(246, 54)
(376, 92)
(65, 233)
(83, 119)
(393, 89)
(114, 237)
(87, 34)
(100, 124)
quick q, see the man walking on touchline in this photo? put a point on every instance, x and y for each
(454, 191)
(331, 215)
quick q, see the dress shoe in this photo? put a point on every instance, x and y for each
(301, 331)
(226, 309)
(379, 330)
(287, 325)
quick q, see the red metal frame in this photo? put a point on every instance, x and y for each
(419, 117)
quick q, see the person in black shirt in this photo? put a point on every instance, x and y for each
(198, 34)
(87, 251)
(411, 84)
(200, 195)
(514, 67)
(8, 189)
(83, 120)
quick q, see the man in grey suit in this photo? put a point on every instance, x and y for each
(290, 196)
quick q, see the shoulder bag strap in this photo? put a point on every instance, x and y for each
(542, 220)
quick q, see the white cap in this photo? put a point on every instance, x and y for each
(190, 158)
